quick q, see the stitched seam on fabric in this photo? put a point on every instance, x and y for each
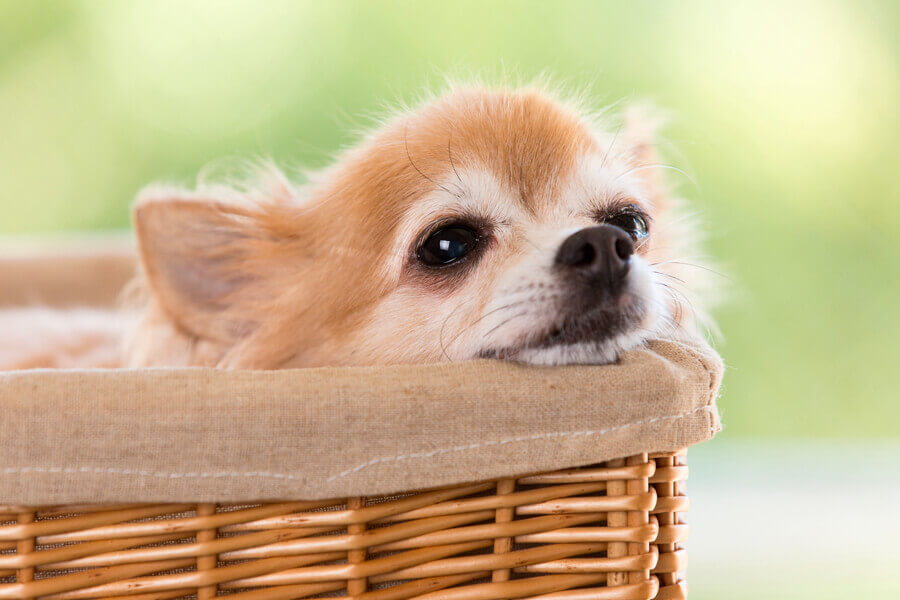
(525, 438)
(399, 457)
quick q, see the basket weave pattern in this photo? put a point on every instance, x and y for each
(609, 531)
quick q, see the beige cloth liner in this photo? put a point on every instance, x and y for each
(64, 272)
(203, 435)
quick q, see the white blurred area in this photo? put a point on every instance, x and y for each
(775, 520)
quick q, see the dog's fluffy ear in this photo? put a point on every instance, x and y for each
(191, 250)
(642, 124)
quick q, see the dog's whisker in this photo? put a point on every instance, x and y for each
(507, 307)
(611, 144)
(646, 166)
(491, 312)
(507, 321)
(413, 164)
(676, 299)
(688, 264)
(670, 276)
(470, 325)
(663, 228)
(450, 156)
(680, 298)
(540, 250)
(444, 325)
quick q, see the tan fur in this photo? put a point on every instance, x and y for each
(275, 276)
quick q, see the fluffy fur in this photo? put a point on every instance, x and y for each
(275, 275)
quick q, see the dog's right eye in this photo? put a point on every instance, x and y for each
(448, 245)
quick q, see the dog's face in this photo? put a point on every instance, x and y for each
(486, 224)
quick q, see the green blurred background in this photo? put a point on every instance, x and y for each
(785, 114)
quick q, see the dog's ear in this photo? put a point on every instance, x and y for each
(642, 124)
(191, 250)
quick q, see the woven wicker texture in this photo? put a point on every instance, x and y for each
(608, 531)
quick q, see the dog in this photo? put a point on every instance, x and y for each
(487, 223)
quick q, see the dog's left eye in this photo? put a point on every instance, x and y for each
(632, 223)
(448, 245)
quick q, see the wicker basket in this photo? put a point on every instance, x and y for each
(613, 530)
(159, 484)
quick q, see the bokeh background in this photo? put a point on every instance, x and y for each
(784, 116)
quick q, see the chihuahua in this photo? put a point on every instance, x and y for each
(488, 223)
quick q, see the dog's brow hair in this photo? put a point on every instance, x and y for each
(611, 144)
(411, 162)
(450, 156)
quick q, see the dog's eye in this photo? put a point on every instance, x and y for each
(448, 245)
(632, 223)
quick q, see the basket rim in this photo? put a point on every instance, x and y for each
(196, 434)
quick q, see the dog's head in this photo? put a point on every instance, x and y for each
(485, 224)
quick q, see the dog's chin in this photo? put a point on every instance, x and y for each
(587, 341)
(596, 352)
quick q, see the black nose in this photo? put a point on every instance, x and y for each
(602, 252)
